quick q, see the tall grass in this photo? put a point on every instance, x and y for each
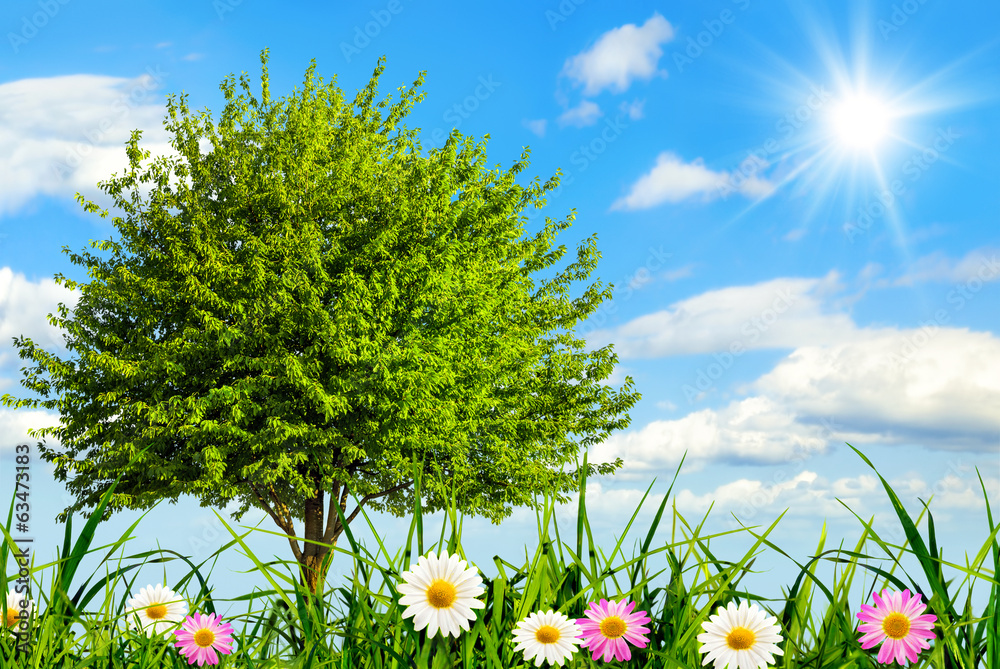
(282, 629)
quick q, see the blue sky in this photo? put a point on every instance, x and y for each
(797, 210)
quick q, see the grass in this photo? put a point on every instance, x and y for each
(280, 630)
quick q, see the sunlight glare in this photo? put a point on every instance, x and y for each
(861, 121)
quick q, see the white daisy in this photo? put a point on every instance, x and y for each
(740, 638)
(547, 636)
(157, 609)
(13, 619)
(439, 592)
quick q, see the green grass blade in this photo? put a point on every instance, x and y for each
(914, 538)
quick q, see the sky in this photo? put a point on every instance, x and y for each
(796, 209)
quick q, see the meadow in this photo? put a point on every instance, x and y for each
(281, 628)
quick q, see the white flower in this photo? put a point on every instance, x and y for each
(439, 592)
(740, 638)
(14, 610)
(547, 636)
(157, 608)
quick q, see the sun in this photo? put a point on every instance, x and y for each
(860, 122)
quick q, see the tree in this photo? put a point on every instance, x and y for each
(307, 307)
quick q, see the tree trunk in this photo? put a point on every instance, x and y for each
(315, 560)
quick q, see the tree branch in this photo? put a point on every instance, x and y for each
(282, 523)
(401, 486)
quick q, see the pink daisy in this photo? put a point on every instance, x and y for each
(200, 636)
(608, 625)
(896, 620)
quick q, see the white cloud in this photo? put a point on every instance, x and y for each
(978, 265)
(24, 306)
(804, 495)
(961, 494)
(621, 55)
(679, 273)
(931, 386)
(633, 109)
(584, 114)
(536, 126)
(15, 423)
(61, 135)
(781, 313)
(919, 235)
(755, 430)
(673, 180)
(940, 389)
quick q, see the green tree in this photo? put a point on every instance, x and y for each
(307, 307)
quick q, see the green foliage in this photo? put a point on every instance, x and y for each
(302, 303)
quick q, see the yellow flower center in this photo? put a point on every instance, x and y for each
(156, 611)
(612, 627)
(204, 637)
(740, 638)
(547, 634)
(896, 626)
(11, 617)
(441, 594)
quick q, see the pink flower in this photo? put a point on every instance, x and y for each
(200, 636)
(895, 620)
(606, 625)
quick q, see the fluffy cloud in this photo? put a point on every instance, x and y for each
(805, 495)
(978, 265)
(621, 55)
(938, 387)
(781, 313)
(61, 135)
(633, 109)
(24, 306)
(933, 386)
(536, 126)
(673, 180)
(755, 430)
(584, 114)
